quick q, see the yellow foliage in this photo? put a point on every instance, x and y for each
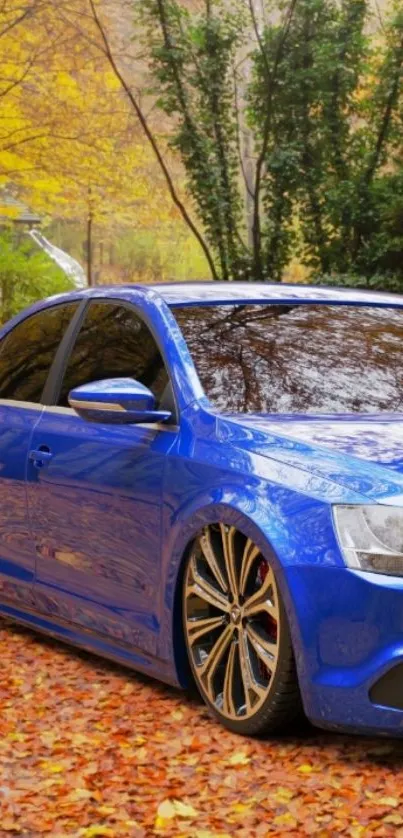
(68, 136)
(168, 810)
(239, 758)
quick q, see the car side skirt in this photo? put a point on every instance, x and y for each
(89, 642)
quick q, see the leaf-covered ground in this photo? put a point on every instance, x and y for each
(88, 749)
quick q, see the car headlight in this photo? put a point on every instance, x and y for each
(371, 537)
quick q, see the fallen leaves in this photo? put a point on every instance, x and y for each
(98, 752)
(305, 769)
(239, 758)
(390, 802)
(170, 809)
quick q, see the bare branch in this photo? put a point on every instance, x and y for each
(29, 11)
(259, 38)
(106, 49)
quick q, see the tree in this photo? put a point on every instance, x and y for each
(28, 40)
(192, 61)
(107, 51)
(308, 161)
(275, 127)
(69, 139)
(324, 99)
(337, 128)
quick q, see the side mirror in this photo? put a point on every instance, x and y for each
(117, 401)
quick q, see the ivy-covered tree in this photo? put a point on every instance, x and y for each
(310, 159)
(192, 57)
(287, 116)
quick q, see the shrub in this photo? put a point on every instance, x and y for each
(26, 274)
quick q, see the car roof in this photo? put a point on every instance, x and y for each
(225, 293)
(179, 294)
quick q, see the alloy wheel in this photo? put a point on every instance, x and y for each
(232, 621)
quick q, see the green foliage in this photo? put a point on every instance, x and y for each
(158, 253)
(333, 139)
(376, 282)
(192, 62)
(308, 158)
(26, 275)
(324, 107)
(158, 256)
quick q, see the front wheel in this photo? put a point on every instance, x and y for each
(237, 634)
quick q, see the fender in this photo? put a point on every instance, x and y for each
(238, 510)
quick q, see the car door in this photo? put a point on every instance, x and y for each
(26, 356)
(95, 499)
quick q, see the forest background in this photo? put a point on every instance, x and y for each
(164, 140)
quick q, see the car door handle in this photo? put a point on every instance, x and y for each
(41, 457)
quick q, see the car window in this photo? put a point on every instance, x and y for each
(297, 358)
(114, 342)
(28, 351)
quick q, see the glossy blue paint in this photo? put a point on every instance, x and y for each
(17, 554)
(95, 514)
(94, 552)
(116, 401)
(213, 293)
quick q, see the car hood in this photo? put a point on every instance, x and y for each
(364, 454)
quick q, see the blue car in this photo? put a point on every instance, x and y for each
(205, 482)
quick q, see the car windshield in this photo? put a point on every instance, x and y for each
(297, 358)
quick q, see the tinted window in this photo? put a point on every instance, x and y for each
(113, 343)
(297, 359)
(27, 352)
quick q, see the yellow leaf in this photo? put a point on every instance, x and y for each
(283, 795)
(239, 758)
(78, 739)
(305, 769)
(240, 807)
(286, 820)
(166, 810)
(54, 767)
(177, 715)
(388, 801)
(48, 784)
(95, 831)
(10, 825)
(184, 810)
(80, 794)
(169, 809)
(205, 833)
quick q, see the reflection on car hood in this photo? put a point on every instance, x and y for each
(378, 439)
(362, 452)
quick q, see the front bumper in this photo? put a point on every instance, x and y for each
(347, 629)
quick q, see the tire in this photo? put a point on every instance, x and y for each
(237, 634)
